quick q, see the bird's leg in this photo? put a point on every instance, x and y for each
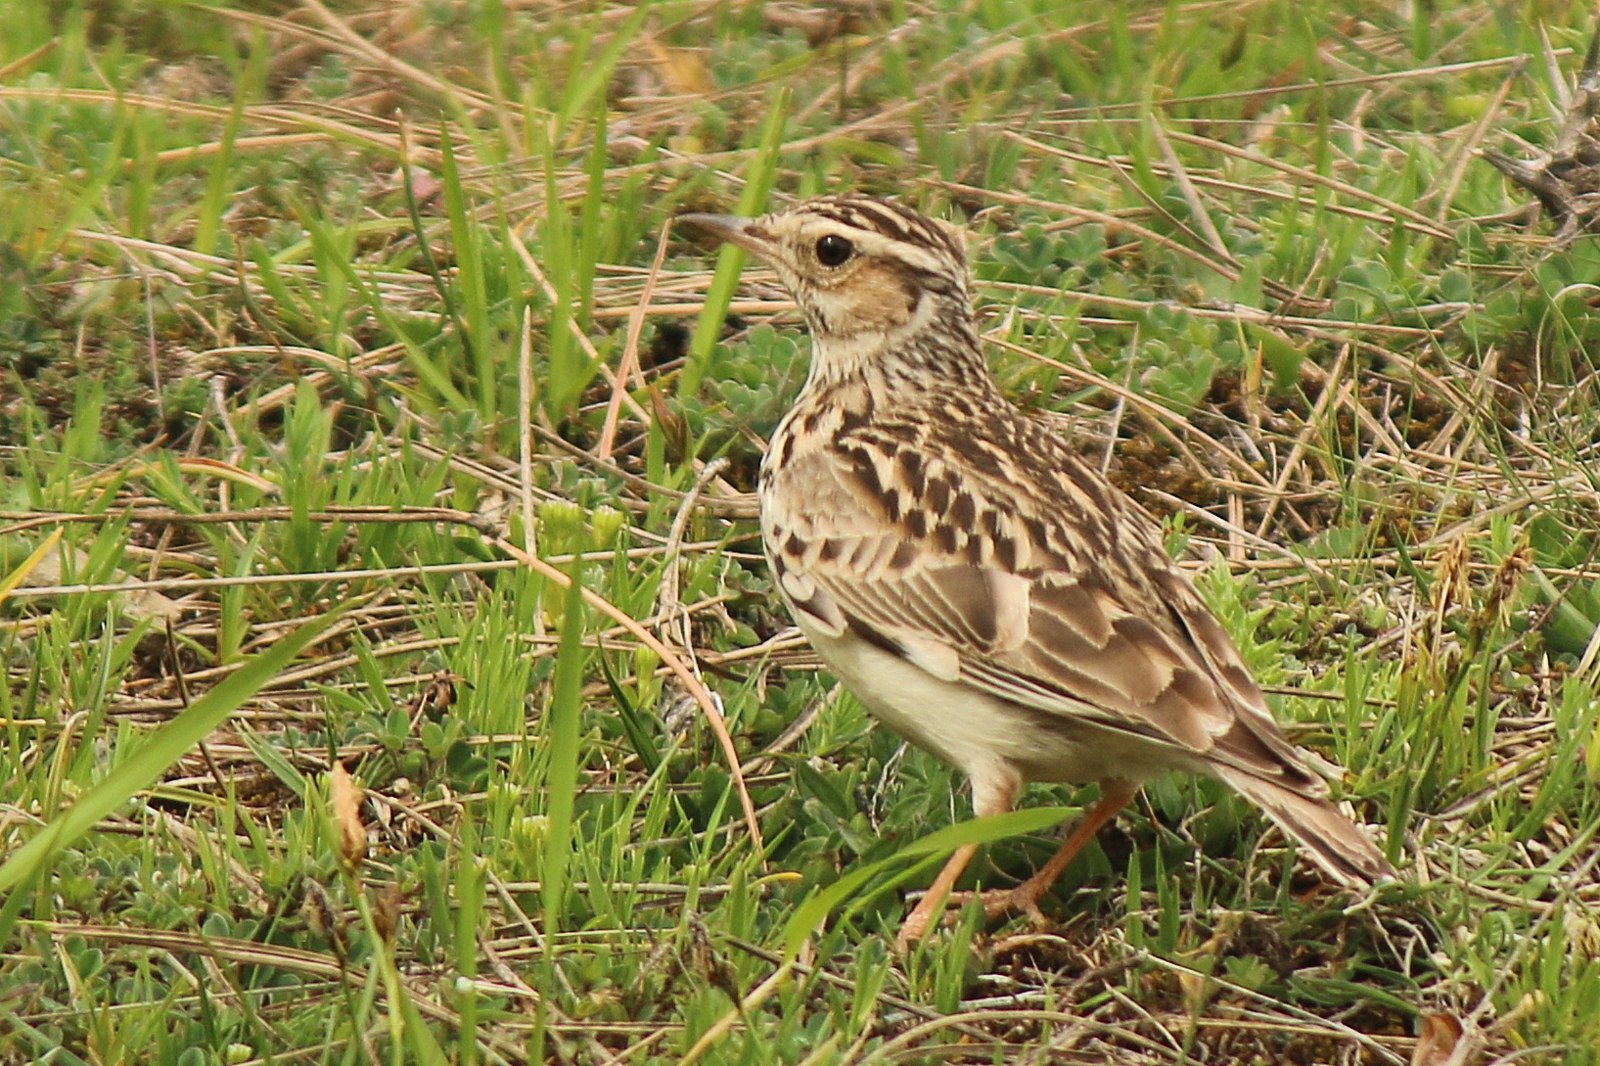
(994, 791)
(1114, 795)
(915, 927)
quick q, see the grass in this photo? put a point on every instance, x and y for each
(354, 413)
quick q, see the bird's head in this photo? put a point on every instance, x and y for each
(873, 278)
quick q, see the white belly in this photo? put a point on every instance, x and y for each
(971, 730)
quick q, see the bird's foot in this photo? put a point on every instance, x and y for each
(1023, 899)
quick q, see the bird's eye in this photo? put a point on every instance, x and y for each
(833, 250)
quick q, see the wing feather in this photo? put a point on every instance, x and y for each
(1017, 608)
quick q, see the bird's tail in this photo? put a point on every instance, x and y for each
(1337, 844)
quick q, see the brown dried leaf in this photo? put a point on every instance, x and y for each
(386, 911)
(345, 796)
(1437, 1044)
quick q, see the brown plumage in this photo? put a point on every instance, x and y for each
(981, 589)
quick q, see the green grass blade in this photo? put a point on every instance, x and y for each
(166, 746)
(758, 184)
(591, 77)
(566, 710)
(28, 565)
(208, 226)
(469, 277)
(815, 910)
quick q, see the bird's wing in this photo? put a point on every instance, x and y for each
(1028, 608)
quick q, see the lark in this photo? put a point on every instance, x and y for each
(984, 592)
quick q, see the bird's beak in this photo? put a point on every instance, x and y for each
(747, 233)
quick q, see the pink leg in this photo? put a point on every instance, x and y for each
(1114, 795)
(915, 927)
(993, 792)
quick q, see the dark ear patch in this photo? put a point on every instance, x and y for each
(882, 295)
(911, 288)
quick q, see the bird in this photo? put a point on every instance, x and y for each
(981, 589)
